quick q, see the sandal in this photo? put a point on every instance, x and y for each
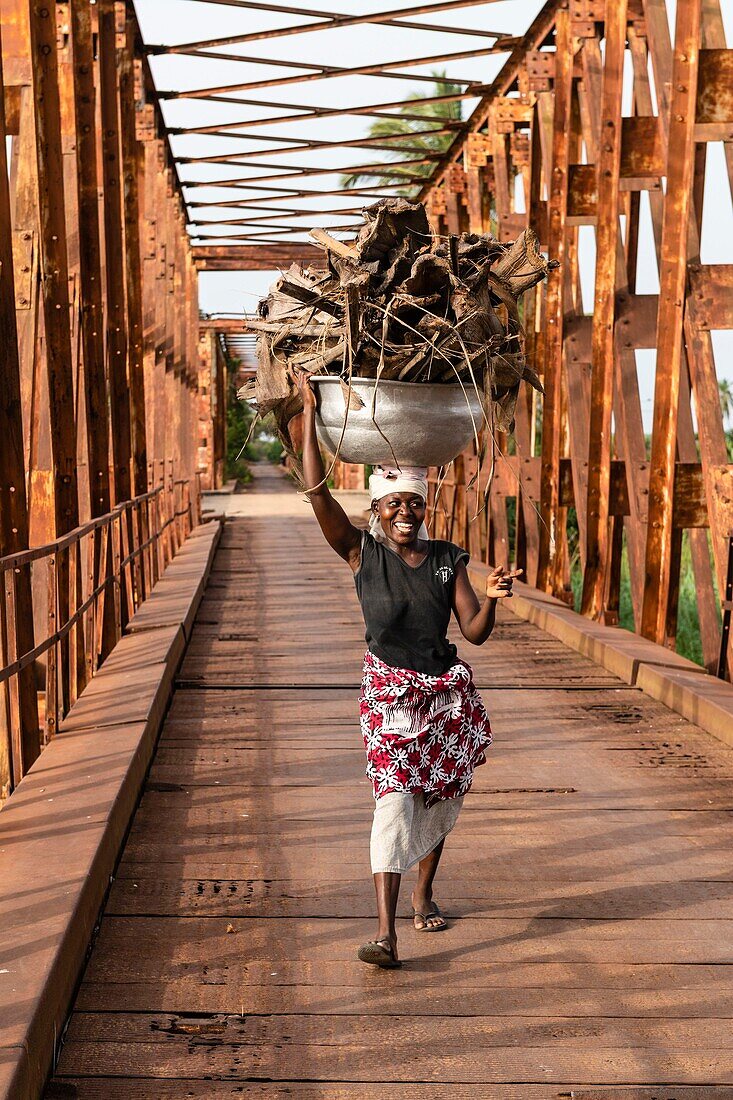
(377, 954)
(425, 917)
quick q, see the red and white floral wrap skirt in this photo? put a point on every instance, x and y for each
(422, 732)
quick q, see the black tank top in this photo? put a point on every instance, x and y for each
(407, 610)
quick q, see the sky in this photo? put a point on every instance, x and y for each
(181, 21)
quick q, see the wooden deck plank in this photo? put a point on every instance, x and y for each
(110, 1088)
(462, 1049)
(507, 940)
(341, 991)
(150, 894)
(589, 881)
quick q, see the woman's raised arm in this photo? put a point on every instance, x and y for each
(475, 619)
(339, 530)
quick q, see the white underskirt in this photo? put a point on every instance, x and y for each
(404, 830)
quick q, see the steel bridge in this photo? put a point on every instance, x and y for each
(183, 855)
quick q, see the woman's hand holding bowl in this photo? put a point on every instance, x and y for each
(303, 382)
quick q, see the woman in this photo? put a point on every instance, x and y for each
(424, 725)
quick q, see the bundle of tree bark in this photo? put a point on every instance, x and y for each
(401, 303)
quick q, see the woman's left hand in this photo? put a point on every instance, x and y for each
(499, 582)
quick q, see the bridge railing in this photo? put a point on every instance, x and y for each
(84, 587)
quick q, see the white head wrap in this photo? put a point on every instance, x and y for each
(388, 479)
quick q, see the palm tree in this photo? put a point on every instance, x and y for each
(725, 391)
(413, 131)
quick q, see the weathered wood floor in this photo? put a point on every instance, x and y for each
(589, 880)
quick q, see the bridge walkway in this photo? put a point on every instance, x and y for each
(589, 880)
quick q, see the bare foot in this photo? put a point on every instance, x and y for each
(427, 915)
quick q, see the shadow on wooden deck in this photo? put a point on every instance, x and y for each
(589, 879)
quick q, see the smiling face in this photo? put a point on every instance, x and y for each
(401, 516)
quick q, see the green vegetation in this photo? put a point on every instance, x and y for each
(725, 389)
(239, 420)
(416, 142)
(688, 621)
(688, 643)
(263, 445)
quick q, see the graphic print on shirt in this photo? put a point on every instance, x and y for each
(445, 573)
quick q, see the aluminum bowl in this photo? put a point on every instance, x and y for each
(425, 424)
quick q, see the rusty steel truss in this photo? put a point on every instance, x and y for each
(555, 119)
(108, 401)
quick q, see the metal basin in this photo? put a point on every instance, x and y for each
(418, 424)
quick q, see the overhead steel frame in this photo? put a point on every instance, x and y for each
(553, 119)
(255, 242)
(100, 387)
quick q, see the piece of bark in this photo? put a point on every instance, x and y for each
(390, 221)
(273, 385)
(311, 298)
(340, 248)
(523, 266)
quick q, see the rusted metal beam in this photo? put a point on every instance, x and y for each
(373, 191)
(116, 313)
(389, 141)
(555, 306)
(131, 167)
(263, 219)
(279, 229)
(330, 72)
(54, 267)
(19, 729)
(291, 172)
(244, 257)
(90, 257)
(333, 21)
(598, 532)
(304, 113)
(225, 325)
(680, 161)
